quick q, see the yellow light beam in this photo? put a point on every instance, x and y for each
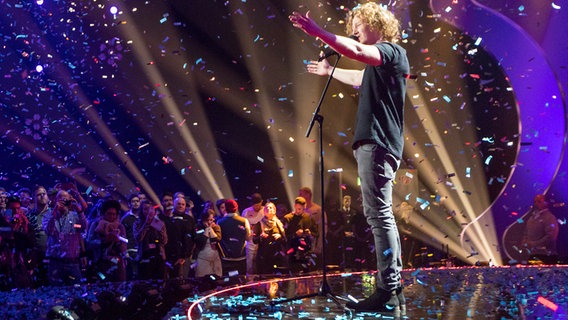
(209, 182)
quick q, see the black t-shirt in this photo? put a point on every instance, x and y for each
(380, 114)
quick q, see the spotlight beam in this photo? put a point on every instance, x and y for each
(104, 131)
(210, 180)
(479, 238)
(255, 68)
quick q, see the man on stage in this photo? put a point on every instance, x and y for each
(378, 141)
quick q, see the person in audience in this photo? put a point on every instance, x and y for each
(541, 232)
(253, 214)
(111, 234)
(167, 205)
(190, 207)
(3, 200)
(315, 211)
(350, 244)
(189, 204)
(300, 230)
(207, 239)
(128, 221)
(142, 196)
(221, 210)
(63, 227)
(270, 236)
(236, 231)
(93, 243)
(151, 238)
(18, 244)
(36, 216)
(19, 222)
(180, 228)
(78, 204)
(25, 195)
(6, 245)
(207, 205)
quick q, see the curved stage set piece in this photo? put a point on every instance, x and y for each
(520, 292)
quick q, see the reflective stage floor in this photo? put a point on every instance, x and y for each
(516, 292)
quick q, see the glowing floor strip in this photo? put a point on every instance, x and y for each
(239, 287)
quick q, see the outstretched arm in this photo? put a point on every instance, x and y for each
(365, 53)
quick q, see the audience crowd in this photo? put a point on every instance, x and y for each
(54, 237)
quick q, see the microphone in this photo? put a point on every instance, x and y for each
(328, 51)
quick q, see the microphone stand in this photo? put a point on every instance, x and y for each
(324, 290)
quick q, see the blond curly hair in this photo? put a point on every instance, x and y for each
(378, 18)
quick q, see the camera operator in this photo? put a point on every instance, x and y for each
(63, 227)
(78, 204)
(17, 216)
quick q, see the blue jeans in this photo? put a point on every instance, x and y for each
(376, 168)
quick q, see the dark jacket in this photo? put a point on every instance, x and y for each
(181, 236)
(236, 231)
